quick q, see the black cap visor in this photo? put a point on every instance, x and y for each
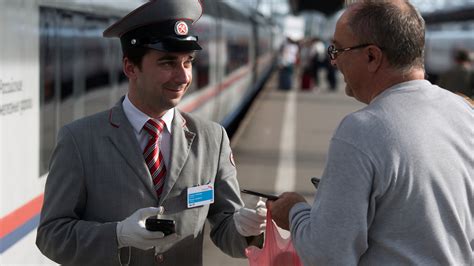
(175, 45)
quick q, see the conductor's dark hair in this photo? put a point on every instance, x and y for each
(394, 26)
(135, 55)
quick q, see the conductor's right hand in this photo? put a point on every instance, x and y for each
(131, 232)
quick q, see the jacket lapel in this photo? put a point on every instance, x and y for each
(181, 141)
(125, 141)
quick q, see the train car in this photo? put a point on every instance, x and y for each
(55, 67)
(447, 31)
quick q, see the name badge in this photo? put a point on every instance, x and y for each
(200, 195)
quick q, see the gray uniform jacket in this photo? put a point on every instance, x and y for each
(98, 177)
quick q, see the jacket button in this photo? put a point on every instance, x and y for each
(159, 258)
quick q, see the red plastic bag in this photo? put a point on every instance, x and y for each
(276, 251)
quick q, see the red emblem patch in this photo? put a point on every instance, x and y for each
(181, 28)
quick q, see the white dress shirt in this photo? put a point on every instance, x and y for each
(138, 119)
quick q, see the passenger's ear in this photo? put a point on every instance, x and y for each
(374, 58)
(129, 68)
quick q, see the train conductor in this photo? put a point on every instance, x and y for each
(144, 158)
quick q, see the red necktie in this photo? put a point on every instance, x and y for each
(153, 156)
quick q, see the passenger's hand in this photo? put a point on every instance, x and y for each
(281, 207)
(251, 221)
(132, 232)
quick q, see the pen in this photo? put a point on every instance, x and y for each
(315, 181)
(259, 194)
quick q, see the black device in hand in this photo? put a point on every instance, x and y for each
(166, 226)
(315, 181)
(268, 196)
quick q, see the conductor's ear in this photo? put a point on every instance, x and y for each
(374, 57)
(129, 68)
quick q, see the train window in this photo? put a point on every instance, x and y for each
(66, 34)
(231, 13)
(67, 40)
(264, 45)
(95, 53)
(78, 70)
(238, 36)
(201, 69)
(99, 75)
(48, 57)
(210, 8)
(206, 29)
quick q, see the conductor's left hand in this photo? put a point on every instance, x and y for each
(251, 221)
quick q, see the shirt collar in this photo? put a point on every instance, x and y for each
(138, 119)
(414, 84)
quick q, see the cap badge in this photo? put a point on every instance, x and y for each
(181, 28)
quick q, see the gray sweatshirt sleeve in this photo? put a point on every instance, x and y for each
(334, 230)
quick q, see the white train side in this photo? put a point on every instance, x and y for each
(55, 67)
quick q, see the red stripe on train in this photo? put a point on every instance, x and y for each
(18, 217)
(213, 92)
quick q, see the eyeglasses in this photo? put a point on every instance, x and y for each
(332, 51)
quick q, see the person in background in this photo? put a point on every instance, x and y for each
(398, 185)
(460, 78)
(145, 158)
(306, 55)
(287, 61)
(318, 59)
(312, 57)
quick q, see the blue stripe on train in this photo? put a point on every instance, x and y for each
(9, 240)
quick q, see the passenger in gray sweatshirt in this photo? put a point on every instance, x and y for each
(398, 186)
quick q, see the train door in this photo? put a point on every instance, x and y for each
(61, 62)
(49, 84)
(60, 76)
(101, 68)
(79, 74)
(21, 186)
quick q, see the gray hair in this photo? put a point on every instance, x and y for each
(398, 29)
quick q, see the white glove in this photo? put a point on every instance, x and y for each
(251, 222)
(132, 232)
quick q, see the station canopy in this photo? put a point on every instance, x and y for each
(327, 7)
